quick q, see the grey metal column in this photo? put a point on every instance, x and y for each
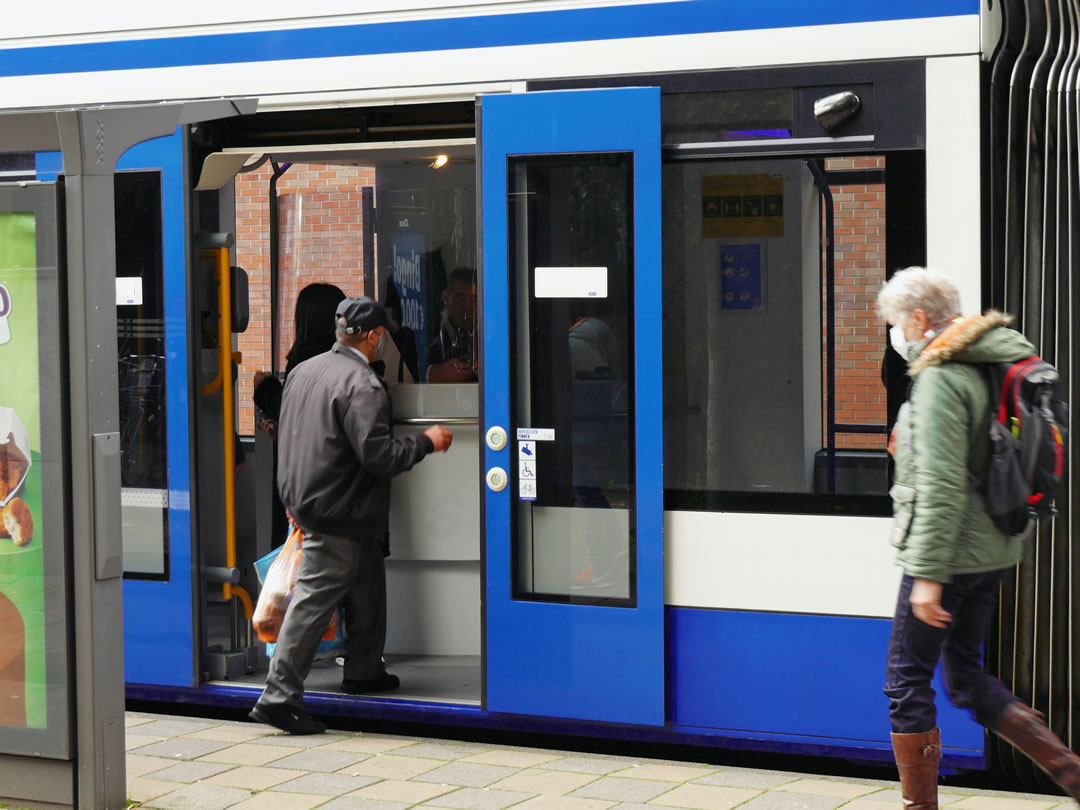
(95, 457)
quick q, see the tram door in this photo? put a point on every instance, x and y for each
(572, 404)
(152, 352)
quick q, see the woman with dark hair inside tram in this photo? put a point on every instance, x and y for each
(315, 307)
(315, 334)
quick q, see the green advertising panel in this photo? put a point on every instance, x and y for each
(22, 599)
(33, 590)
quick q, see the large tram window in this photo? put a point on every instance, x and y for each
(746, 324)
(140, 317)
(427, 267)
(399, 230)
(573, 366)
(321, 238)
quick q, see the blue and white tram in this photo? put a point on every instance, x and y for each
(665, 515)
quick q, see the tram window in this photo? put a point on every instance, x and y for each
(321, 239)
(427, 267)
(746, 292)
(141, 355)
(16, 166)
(733, 115)
(422, 247)
(574, 364)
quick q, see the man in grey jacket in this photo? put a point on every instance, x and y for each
(337, 454)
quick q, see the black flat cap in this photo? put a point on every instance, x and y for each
(361, 314)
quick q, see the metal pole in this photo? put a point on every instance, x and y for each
(95, 466)
(275, 263)
(830, 320)
(367, 202)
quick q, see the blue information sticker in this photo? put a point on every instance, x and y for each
(741, 284)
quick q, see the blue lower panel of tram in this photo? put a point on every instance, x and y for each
(781, 675)
(787, 683)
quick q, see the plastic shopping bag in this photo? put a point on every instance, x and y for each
(333, 642)
(277, 573)
(278, 587)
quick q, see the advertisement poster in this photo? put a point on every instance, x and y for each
(410, 281)
(22, 578)
(742, 205)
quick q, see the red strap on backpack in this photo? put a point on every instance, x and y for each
(1014, 378)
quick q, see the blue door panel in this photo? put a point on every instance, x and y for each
(562, 660)
(791, 674)
(159, 624)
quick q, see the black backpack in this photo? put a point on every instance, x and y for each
(1028, 430)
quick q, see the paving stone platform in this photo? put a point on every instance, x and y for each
(195, 764)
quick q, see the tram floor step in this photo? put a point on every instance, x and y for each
(228, 665)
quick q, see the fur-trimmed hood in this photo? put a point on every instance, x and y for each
(973, 339)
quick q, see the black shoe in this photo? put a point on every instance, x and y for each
(384, 683)
(291, 721)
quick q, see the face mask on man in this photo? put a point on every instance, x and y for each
(380, 350)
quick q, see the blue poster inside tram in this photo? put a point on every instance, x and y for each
(410, 281)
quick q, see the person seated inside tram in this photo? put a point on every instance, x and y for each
(452, 356)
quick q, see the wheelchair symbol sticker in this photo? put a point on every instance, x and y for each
(527, 469)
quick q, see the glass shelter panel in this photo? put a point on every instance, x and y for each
(34, 542)
(571, 268)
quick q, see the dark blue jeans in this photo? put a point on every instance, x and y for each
(915, 648)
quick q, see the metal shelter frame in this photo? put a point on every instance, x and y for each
(91, 141)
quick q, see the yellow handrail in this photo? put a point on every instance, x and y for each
(245, 598)
(224, 380)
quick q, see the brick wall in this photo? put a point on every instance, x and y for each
(860, 271)
(322, 235)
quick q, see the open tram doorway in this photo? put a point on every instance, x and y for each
(394, 219)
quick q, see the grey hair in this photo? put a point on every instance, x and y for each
(919, 288)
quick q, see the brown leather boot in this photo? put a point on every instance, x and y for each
(917, 758)
(1026, 729)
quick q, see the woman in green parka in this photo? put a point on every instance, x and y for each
(951, 552)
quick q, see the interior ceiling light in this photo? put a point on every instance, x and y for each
(440, 161)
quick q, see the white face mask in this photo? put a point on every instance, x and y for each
(901, 345)
(380, 350)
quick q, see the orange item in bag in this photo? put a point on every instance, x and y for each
(278, 589)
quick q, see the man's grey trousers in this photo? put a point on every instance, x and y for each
(333, 571)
